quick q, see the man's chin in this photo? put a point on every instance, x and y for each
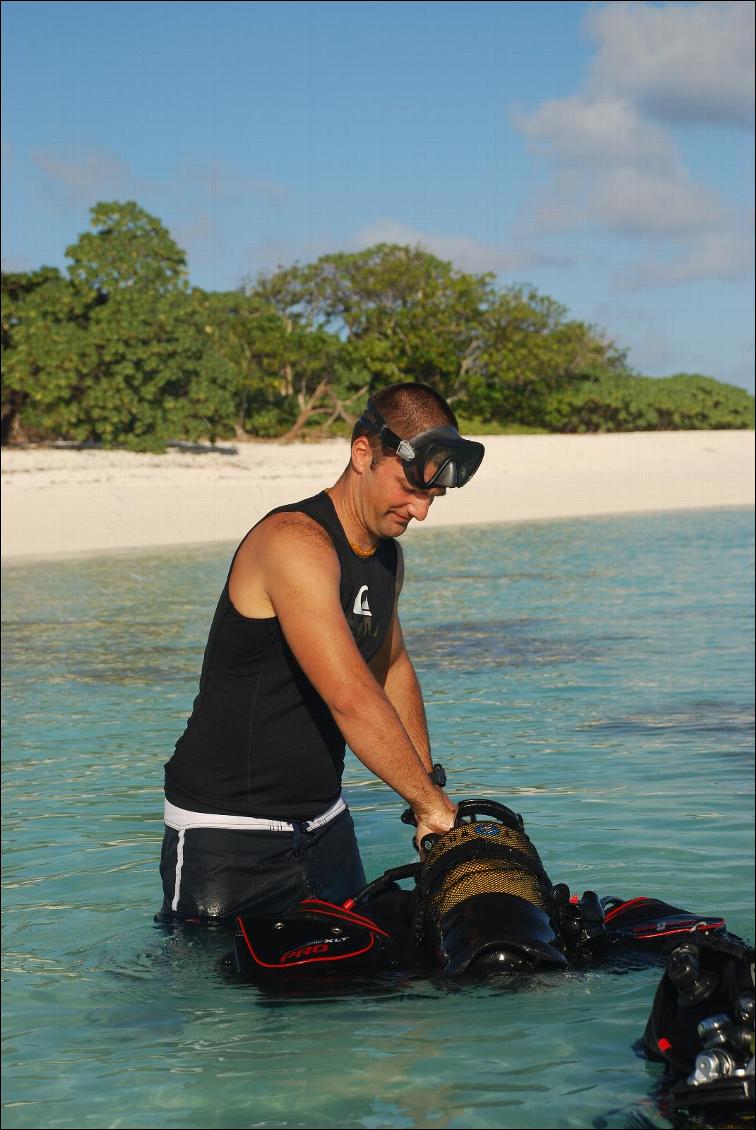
(395, 526)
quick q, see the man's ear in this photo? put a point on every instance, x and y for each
(362, 455)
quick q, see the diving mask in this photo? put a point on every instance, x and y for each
(438, 457)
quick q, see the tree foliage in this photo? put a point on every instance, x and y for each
(122, 351)
(635, 404)
(119, 353)
(129, 249)
(391, 314)
(529, 348)
(43, 343)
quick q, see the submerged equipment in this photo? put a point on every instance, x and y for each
(702, 1027)
(482, 901)
(482, 904)
(438, 457)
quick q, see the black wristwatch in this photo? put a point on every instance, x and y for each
(438, 775)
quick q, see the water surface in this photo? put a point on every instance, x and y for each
(595, 674)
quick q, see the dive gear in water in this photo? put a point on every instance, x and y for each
(701, 1028)
(484, 900)
(482, 904)
(438, 457)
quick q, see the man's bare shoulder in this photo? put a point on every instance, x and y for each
(285, 548)
(282, 532)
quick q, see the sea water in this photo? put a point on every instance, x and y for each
(595, 675)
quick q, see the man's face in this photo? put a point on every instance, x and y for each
(393, 502)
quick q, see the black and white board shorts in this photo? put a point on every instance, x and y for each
(215, 866)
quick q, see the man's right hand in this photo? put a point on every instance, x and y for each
(433, 817)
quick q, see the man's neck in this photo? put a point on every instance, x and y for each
(359, 536)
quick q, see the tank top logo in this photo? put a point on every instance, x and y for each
(361, 606)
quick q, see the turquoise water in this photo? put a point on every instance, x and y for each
(597, 675)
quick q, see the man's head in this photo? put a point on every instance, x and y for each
(412, 422)
(406, 450)
(408, 409)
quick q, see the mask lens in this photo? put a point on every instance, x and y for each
(446, 465)
(439, 469)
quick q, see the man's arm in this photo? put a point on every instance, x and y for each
(393, 669)
(404, 693)
(296, 565)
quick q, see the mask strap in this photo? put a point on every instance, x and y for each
(372, 418)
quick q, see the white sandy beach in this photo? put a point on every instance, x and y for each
(62, 501)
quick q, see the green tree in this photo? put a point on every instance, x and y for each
(528, 348)
(122, 352)
(634, 404)
(280, 366)
(399, 312)
(43, 345)
(129, 249)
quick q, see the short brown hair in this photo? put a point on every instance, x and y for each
(408, 408)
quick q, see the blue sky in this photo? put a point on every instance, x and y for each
(600, 152)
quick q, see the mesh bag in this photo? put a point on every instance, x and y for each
(482, 857)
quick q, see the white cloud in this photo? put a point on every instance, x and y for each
(200, 235)
(678, 62)
(273, 254)
(465, 253)
(653, 353)
(16, 263)
(87, 176)
(636, 202)
(614, 169)
(219, 183)
(617, 169)
(597, 131)
(743, 372)
(723, 255)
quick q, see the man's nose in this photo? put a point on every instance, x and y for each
(420, 506)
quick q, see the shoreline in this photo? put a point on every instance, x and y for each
(17, 560)
(67, 503)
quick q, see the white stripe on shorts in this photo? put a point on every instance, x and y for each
(179, 866)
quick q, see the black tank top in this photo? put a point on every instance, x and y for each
(260, 740)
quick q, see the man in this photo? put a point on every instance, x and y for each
(306, 652)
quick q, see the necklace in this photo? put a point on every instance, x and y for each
(356, 548)
(362, 552)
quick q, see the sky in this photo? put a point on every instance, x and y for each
(599, 152)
